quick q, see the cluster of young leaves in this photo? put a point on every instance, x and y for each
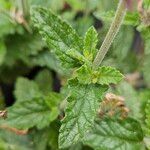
(37, 107)
(86, 88)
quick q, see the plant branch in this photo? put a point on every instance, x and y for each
(114, 28)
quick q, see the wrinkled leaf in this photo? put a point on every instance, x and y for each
(110, 134)
(58, 34)
(39, 112)
(83, 103)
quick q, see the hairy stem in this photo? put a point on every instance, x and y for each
(114, 28)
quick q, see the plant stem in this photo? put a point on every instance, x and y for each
(114, 28)
(25, 8)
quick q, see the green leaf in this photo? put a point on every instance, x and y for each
(110, 134)
(39, 112)
(83, 103)
(90, 42)
(26, 89)
(103, 75)
(58, 34)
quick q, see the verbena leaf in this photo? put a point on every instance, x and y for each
(39, 112)
(90, 43)
(58, 34)
(26, 89)
(80, 113)
(103, 75)
(110, 134)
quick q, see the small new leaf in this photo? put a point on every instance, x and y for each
(81, 110)
(108, 134)
(90, 42)
(103, 75)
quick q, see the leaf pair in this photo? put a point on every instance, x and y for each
(103, 75)
(115, 134)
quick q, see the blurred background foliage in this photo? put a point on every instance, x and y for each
(27, 66)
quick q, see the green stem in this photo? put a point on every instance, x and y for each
(25, 8)
(114, 28)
